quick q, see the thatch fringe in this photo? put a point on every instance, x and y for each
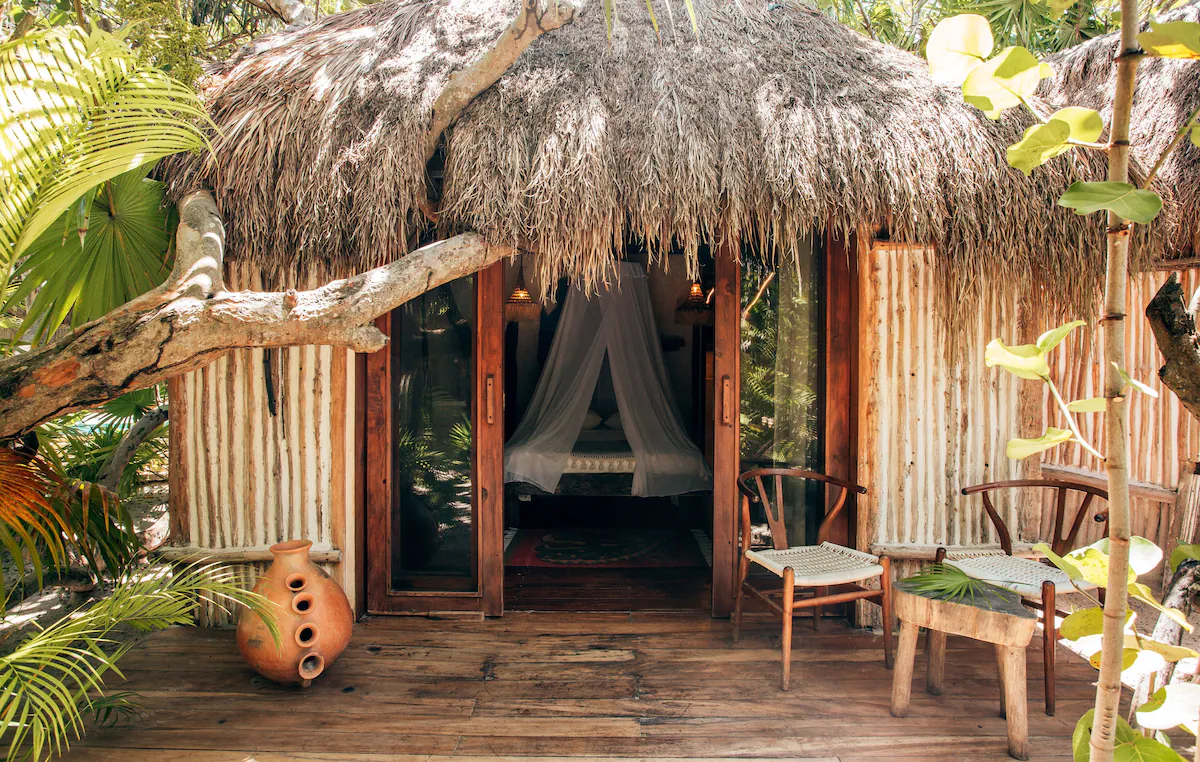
(778, 122)
(1167, 91)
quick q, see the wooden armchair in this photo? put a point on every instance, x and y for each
(1038, 583)
(813, 568)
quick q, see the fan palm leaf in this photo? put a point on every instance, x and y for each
(51, 680)
(79, 108)
(125, 253)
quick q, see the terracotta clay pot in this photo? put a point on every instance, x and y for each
(313, 613)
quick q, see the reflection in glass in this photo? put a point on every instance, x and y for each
(783, 380)
(432, 341)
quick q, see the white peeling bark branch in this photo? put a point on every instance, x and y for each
(190, 320)
(536, 18)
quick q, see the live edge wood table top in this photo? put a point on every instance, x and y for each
(992, 618)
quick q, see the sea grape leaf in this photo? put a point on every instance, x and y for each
(1052, 338)
(957, 45)
(1004, 81)
(1172, 705)
(1129, 202)
(1020, 449)
(1062, 563)
(1131, 381)
(1171, 39)
(1144, 594)
(1131, 746)
(1093, 565)
(1195, 135)
(1059, 7)
(1023, 360)
(1183, 553)
(1089, 405)
(1085, 622)
(1042, 142)
(1144, 555)
(1167, 651)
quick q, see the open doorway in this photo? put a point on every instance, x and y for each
(608, 494)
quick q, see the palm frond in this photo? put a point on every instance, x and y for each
(79, 109)
(29, 522)
(949, 583)
(56, 676)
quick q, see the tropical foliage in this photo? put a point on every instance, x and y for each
(83, 110)
(54, 679)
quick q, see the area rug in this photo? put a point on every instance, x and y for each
(604, 548)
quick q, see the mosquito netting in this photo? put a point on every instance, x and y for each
(617, 322)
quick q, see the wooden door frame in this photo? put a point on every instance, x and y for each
(487, 472)
(841, 355)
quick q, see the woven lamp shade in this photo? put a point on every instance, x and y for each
(695, 310)
(520, 306)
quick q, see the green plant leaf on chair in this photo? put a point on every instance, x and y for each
(1019, 449)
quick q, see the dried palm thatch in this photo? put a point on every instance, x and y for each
(777, 122)
(1167, 91)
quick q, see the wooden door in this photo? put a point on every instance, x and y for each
(434, 431)
(808, 317)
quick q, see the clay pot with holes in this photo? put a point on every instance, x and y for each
(313, 613)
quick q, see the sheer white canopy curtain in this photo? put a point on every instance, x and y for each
(619, 322)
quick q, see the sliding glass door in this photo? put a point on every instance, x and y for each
(434, 428)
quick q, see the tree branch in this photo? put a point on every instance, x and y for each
(536, 18)
(190, 320)
(1174, 326)
(114, 467)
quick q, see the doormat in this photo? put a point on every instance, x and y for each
(604, 548)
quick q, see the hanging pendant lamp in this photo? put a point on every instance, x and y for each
(520, 306)
(695, 310)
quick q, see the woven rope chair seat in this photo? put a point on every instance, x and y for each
(819, 565)
(1021, 575)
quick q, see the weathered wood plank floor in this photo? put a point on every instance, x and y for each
(586, 686)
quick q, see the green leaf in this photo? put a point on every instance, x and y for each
(1052, 338)
(1005, 81)
(1062, 563)
(1122, 198)
(1019, 449)
(125, 254)
(1170, 706)
(1195, 135)
(1093, 565)
(1080, 624)
(1167, 651)
(1172, 39)
(1183, 553)
(1131, 381)
(1081, 739)
(1144, 594)
(956, 46)
(1131, 746)
(1144, 555)
(1059, 7)
(1089, 405)
(1023, 360)
(1043, 142)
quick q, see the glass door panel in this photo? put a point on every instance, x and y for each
(433, 517)
(783, 380)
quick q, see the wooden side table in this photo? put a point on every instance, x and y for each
(996, 619)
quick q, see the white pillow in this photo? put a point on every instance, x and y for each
(613, 422)
(591, 420)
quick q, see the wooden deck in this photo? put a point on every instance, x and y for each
(553, 685)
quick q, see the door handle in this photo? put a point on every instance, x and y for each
(489, 399)
(726, 400)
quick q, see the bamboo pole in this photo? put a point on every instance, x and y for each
(1108, 686)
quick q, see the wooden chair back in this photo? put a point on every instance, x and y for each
(753, 486)
(1061, 542)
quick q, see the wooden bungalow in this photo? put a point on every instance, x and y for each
(852, 233)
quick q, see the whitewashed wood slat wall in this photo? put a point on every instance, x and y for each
(251, 478)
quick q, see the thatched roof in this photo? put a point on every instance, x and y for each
(1167, 90)
(778, 121)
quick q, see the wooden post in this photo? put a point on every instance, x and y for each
(906, 656)
(1012, 678)
(936, 641)
(726, 425)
